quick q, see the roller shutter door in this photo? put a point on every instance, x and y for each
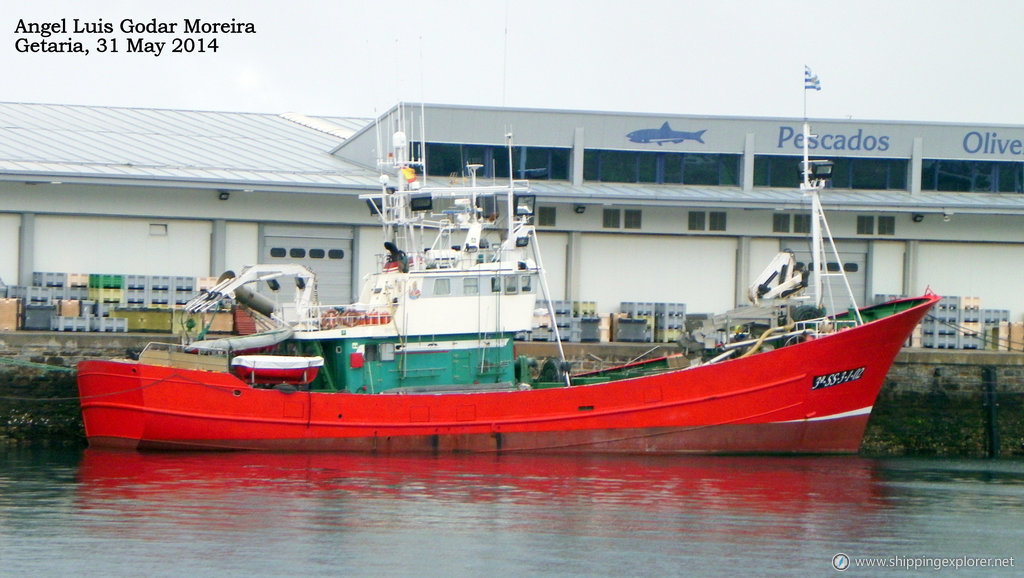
(327, 252)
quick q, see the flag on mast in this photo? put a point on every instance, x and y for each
(811, 81)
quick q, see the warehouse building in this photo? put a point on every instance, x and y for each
(630, 207)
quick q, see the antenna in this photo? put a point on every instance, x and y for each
(504, 57)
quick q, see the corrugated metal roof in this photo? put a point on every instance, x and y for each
(64, 141)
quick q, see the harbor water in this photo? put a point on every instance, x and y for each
(101, 513)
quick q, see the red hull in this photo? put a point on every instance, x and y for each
(765, 403)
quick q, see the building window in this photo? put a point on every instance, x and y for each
(545, 216)
(887, 225)
(847, 173)
(865, 225)
(297, 253)
(632, 218)
(471, 286)
(716, 221)
(495, 284)
(511, 284)
(611, 219)
(335, 254)
(543, 163)
(278, 252)
(779, 172)
(157, 229)
(661, 167)
(696, 221)
(618, 167)
(802, 224)
(317, 253)
(972, 176)
(780, 223)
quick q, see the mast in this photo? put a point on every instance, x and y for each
(817, 245)
(816, 175)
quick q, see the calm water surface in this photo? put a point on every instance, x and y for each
(102, 513)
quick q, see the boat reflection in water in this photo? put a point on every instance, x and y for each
(294, 494)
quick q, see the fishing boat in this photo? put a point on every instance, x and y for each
(426, 360)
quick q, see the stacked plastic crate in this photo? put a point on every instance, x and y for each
(586, 325)
(564, 320)
(100, 302)
(635, 322)
(970, 335)
(40, 300)
(939, 328)
(669, 321)
(106, 292)
(996, 329)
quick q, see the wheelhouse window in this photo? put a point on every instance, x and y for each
(526, 283)
(442, 286)
(511, 285)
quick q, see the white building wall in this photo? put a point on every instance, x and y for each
(108, 245)
(991, 271)
(371, 244)
(697, 271)
(242, 245)
(9, 227)
(553, 247)
(886, 262)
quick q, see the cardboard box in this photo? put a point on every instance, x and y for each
(69, 308)
(1016, 336)
(10, 314)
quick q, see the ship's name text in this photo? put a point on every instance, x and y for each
(823, 381)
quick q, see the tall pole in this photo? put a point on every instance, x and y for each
(817, 244)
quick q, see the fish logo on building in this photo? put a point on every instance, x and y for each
(665, 134)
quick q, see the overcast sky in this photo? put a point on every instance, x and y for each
(921, 60)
